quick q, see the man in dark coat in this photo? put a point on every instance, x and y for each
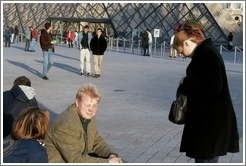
(19, 97)
(98, 47)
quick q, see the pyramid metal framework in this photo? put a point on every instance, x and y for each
(124, 17)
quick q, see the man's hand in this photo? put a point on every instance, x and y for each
(114, 159)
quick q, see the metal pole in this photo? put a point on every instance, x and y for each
(117, 44)
(109, 44)
(112, 42)
(235, 55)
(129, 43)
(221, 49)
(155, 45)
(161, 50)
(139, 45)
(124, 44)
(164, 48)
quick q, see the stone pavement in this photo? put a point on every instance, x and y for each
(137, 93)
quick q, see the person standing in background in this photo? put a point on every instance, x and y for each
(149, 50)
(7, 36)
(98, 47)
(16, 37)
(83, 44)
(70, 38)
(28, 38)
(34, 37)
(230, 39)
(144, 42)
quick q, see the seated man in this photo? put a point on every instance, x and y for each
(19, 97)
(73, 135)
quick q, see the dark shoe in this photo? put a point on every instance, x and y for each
(88, 74)
(45, 77)
(81, 73)
(99, 75)
(96, 76)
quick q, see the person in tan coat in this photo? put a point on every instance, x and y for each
(73, 137)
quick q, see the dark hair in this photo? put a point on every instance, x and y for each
(99, 29)
(86, 26)
(31, 123)
(22, 80)
(47, 25)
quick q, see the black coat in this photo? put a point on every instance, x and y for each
(211, 126)
(145, 40)
(98, 45)
(14, 101)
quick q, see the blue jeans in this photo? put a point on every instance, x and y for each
(16, 38)
(33, 44)
(48, 61)
(149, 50)
(214, 160)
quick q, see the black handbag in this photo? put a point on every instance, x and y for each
(178, 108)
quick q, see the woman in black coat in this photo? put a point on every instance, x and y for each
(210, 129)
(144, 42)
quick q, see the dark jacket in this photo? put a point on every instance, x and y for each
(7, 32)
(16, 31)
(67, 142)
(14, 101)
(45, 39)
(98, 45)
(145, 40)
(23, 151)
(211, 127)
(230, 37)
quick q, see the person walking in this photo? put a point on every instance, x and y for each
(98, 47)
(47, 46)
(83, 44)
(210, 128)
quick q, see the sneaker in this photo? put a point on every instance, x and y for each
(99, 75)
(81, 73)
(88, 74)
(96, 75)
(45, 77)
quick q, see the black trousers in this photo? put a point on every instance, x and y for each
(7, 42)
(70, 43)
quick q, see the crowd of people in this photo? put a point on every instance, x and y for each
(210, 129)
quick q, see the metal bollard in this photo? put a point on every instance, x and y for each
(117, 44)
(124, 44)
(235, 55)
